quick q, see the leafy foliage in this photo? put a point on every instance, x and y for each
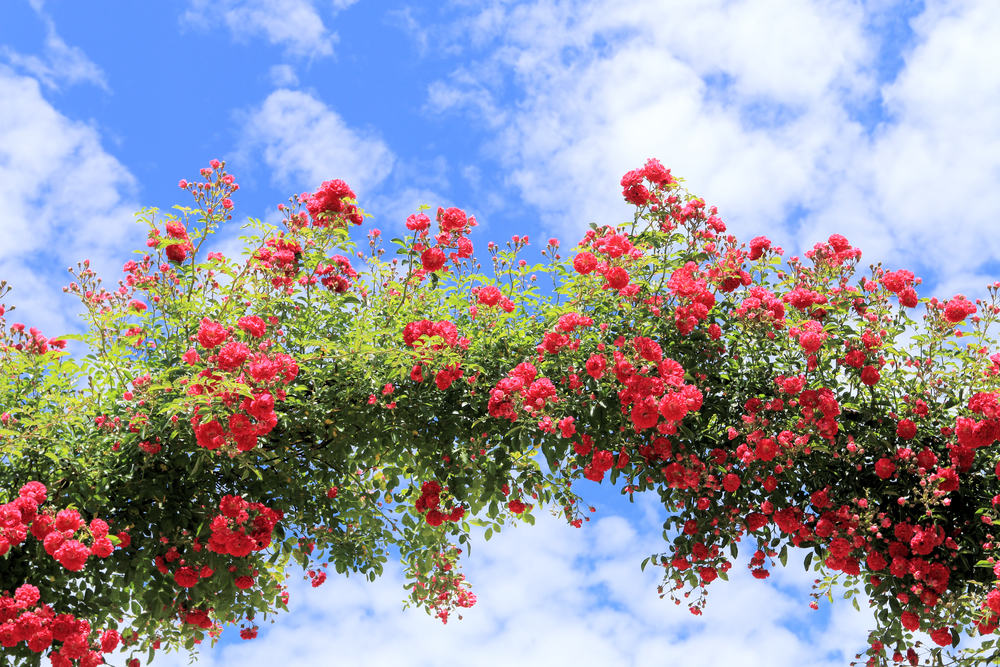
(233, 415)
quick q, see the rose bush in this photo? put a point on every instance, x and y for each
(313, 403)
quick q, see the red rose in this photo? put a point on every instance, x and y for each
(489, 296)
(211, 334)
(418, 222)
(453, 219)
(942, 636)
(584, 262)
(253, 325)
(884, 468)
(870, 376)
(616, 277)
(177, 252)
(186, 577)
(102, 547)
(731, 482)
(875, 562)
(432, 259)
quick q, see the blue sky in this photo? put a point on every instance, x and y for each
(877, 119)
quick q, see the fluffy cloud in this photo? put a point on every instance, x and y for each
(64, 199)
(934, 167)
(756, 104)
(736, 97)
(59, 62)
(304, 142)
(552, 595)
(294, 24)
(283, 76)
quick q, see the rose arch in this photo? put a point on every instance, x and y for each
(317, 404)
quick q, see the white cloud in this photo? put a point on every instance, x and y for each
(64, 199)
(936, 166)
(553, 595)
(59, 63)
(283, 76)
(305, 142)
(751, 102)
(391, 210)
(404, 19)
(603, 87)
(294, 24)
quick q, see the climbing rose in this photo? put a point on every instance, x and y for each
(109, 641)
(870, 375)
(453, 219)
(616, 277)
(26, 596)
(731, 482)
(942, 636)
(884, 468)
(232, 355)
(993, 600)
(72, 555)
(102, 547)
(418, 222)
(584, 262)
(906, 429)
(432, 259)
(186, 577)
(211, 334)
(489, 296)
(957, 310)
(68, 520)
(253, 325)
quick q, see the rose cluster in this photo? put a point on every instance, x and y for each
(24, 618)
(332, 205)
(263, 374)
(419, 334)
(21, 517)
(242, 527)
(452, 243)
(429, 504)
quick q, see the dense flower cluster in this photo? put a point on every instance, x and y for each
(429, 504)
(336, 274)
(451, 244)
(242, 527)
(22, 517)
(521, 390)
(332, 204)
(33, 342)
(24, 618)
(279, 259)
(263, 376)
(418, 334)
(768, 402)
